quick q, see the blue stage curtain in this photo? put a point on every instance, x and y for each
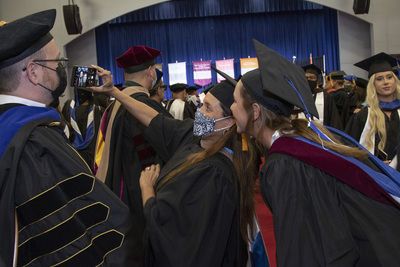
(187, 31)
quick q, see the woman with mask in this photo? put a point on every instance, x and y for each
(332, 205)
(199, 207)
(377, 124)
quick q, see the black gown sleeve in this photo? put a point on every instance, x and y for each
(65, 213)
(193, 221)
(166, 135)
(356, 124)
(331, 114)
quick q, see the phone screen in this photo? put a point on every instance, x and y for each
(83, 76)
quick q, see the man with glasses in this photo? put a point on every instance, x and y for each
(53, 210)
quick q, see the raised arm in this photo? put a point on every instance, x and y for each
(139, 110)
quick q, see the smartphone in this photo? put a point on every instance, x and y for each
(83, 77)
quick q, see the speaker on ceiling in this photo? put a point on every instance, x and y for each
(72, 19)
(361, 6)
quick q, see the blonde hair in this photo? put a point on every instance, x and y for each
(376, 116)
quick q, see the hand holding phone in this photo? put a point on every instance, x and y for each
(83, 77)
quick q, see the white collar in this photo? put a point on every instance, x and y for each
(275, 136)
(7, 99)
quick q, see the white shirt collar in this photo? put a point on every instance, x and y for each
(275, 136)
(7, 99)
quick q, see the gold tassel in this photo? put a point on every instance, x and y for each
(244, 143)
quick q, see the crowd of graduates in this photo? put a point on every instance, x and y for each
(138, 181)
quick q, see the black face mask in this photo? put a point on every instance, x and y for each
(312, 85)
(62, 77)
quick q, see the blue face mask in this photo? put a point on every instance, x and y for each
(204, 125)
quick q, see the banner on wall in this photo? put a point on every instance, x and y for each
(202, 72)
(248, 64)
(226, 66)
(177, 72)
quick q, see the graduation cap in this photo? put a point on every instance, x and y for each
(178, 87)
(351, 78)
(312, 69)
(379, 63)
(278, 84)
(137, 58)
(226, 76)
(25, 36)
(159, 74)
(223, 91)
(337, 75)
(191, 89)
(208, 88)
(360, 82)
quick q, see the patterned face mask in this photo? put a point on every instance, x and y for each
(204, 125)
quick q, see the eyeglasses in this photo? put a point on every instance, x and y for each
(62, 60)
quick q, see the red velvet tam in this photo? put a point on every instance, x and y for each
(137, 58)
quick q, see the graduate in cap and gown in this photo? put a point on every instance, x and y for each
(327, 111)
(377, 125)
(157, 93)
(178, 105)
(334, 86)
(356, 100)
(332, 205)
(193, 97)
(53, 211)
(123, 150)
(199, 208)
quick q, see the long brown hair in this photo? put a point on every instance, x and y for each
(295, 127)
(245, 170)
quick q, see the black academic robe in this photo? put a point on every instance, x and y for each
(81, 114)
(194, 218)
(319, 220)
(340, 97)
(356, 126)
(188, 111)
(129, 154)
(65, 215)
(348, 109)
(331, 114)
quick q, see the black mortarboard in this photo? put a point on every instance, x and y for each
(337, 75)
(312, 69)
(23, 37)
(226, 76)
(379, 63)
(178, 87)
(360, 82)
(191, 89)
(223, 91)
(208, 88)
(278, 84)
